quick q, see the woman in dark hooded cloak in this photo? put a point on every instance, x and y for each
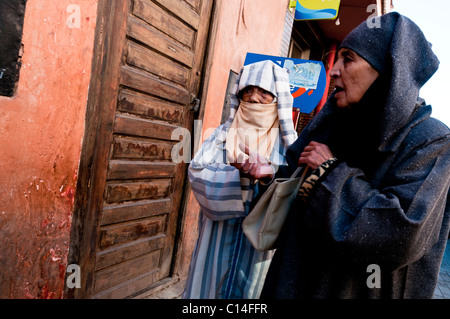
(372, 220)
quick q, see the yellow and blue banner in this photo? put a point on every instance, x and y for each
(317, 9)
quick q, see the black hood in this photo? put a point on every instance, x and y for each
(397, 48)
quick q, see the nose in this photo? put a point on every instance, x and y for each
(254, 97)
(335, 71)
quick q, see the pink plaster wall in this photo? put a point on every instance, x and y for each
(41, 130)
(244, 26)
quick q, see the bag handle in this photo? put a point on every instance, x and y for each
(298, 170)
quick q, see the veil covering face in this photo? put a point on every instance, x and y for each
(274, 79)
(255, 125)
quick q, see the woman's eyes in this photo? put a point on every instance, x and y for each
(249, 91)
(347, 58)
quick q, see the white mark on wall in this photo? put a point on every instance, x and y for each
(74, 19)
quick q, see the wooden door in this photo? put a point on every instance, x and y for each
(146, 73)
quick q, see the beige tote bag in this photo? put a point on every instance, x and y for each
(263, 224)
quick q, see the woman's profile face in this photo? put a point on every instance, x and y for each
(352, 77)
(255, 94)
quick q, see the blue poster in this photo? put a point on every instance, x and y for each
(307, 79)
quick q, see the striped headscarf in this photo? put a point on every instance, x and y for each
(274, 79)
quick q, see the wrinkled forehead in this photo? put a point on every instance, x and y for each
(346, 52)
(254, 89)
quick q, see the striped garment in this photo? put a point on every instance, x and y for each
(224, 264)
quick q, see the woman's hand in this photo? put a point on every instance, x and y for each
(314, 155)
(255, 166)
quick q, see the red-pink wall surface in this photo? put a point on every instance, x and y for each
(41, 130)
(244, 26)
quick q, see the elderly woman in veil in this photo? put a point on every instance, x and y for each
(226, 174)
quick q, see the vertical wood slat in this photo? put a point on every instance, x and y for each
(205, 9)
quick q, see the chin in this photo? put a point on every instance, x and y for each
(343, 105)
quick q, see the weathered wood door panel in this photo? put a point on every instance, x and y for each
(130, 188)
